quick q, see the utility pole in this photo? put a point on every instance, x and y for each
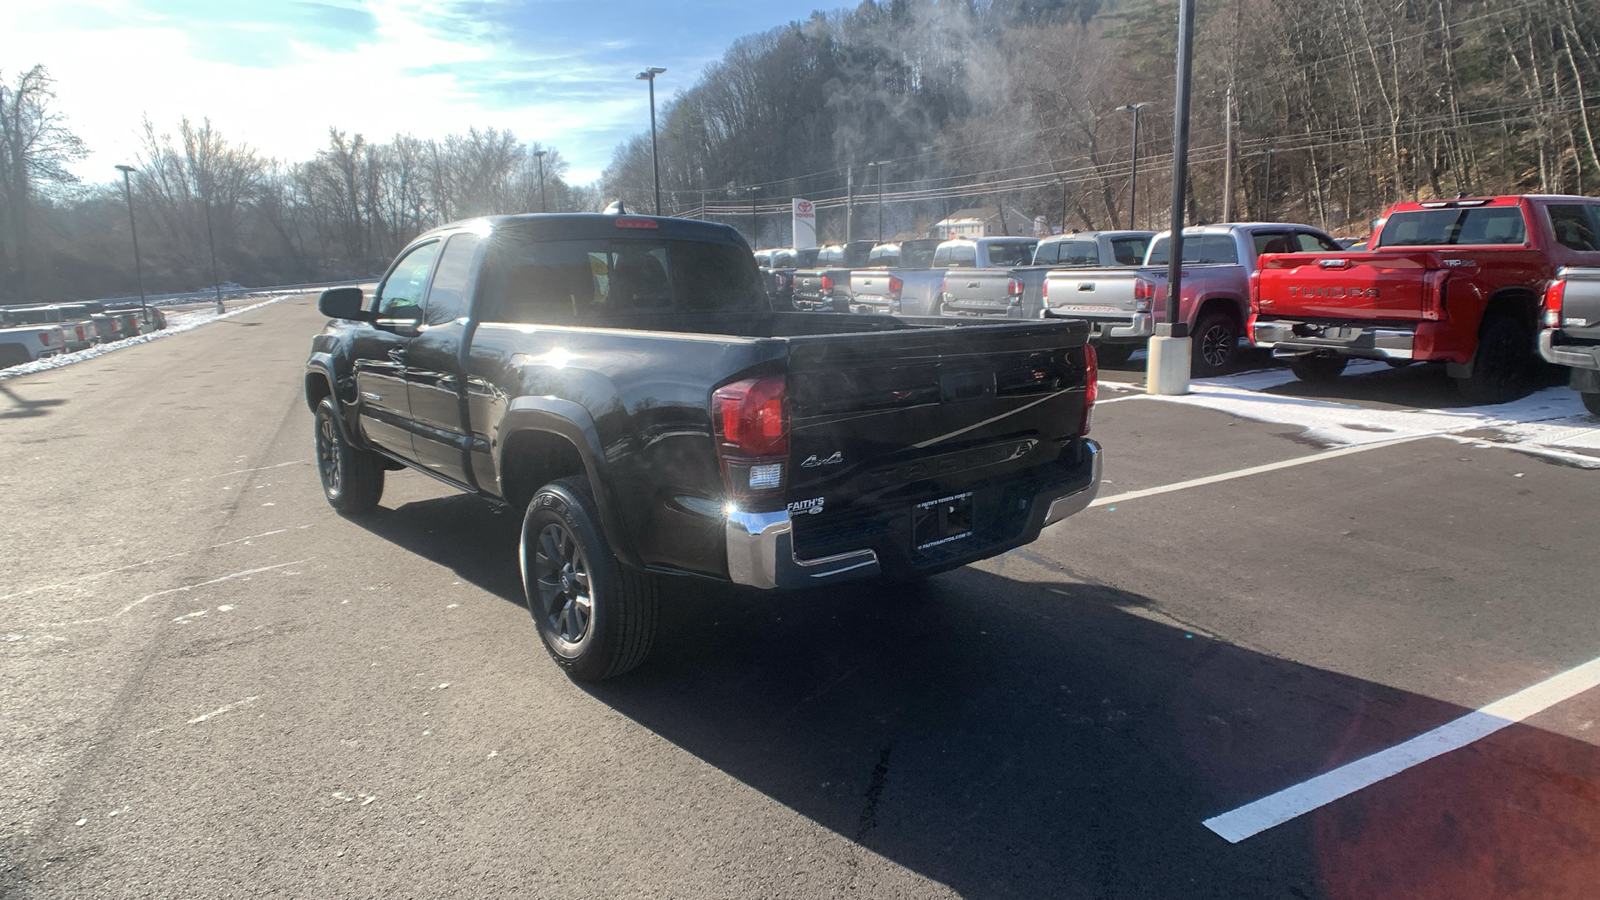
(211, 241)
(133, 228)
(1266, 193)
(1227, 166)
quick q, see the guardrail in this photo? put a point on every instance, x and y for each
(210, 294)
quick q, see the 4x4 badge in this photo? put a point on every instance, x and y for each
(812, 461)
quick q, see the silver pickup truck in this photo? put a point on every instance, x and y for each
(1571, 333)
(22, 341)
(1123, 305)
(899, 280)
(978, 280)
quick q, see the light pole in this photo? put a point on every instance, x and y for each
(649, 75)
(1167, 371)
(216, 280)
(877, 168)
(138, 268)
(1266, 193)
(1133, 177)
(539, 155)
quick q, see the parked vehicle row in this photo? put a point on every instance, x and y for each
(1479, 284)
(30, 332)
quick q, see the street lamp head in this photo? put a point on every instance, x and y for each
(650, 73)
(125, 168)
(540, 153)
(1133, 107)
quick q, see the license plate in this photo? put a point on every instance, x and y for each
(941, 521)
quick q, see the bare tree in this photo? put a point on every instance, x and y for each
(35, 148)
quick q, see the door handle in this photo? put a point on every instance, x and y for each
(398, 354)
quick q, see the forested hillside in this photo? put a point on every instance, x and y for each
(1340, 107)
(1345, 105)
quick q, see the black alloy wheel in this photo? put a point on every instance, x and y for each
(562, 574)
(1317, 367)
(596, 617)
(352, 478)
(1216, 340)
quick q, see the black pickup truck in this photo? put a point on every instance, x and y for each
(624, 382)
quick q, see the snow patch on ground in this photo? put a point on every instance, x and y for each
(1551, 422)
(177, 323)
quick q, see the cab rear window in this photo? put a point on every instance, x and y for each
(1472, 227)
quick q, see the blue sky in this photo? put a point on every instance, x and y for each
(275, 75)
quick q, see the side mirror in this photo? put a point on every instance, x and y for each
(343, 303)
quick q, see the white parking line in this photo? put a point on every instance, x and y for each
(1253, 470)
(1289, 803)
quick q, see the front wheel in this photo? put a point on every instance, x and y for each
(1316, 367)
(352, 478)
(596, 616)
(1500, 365)
(1216, 341)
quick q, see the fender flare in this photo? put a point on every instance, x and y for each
(320, 368)
(570, 420)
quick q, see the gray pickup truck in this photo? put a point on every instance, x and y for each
(1571, 333)
(978, 280)
(825, 285)
(1123, 305)
(899, 280)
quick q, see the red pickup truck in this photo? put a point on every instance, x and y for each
(1457, 281)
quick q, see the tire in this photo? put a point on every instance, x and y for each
(1216, 345)
(1315, 368)
(1114, 354)
(352, 478)
(596, 617)
(1591, 402)
(1500, 367)
(13, 355)
(1398, 363)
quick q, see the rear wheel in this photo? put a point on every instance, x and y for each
(596, 616)
(1500, 365)
(1114, 354)
(1316, 367)
(1216, 341)
(352, 478)
(13, 355)
(1591, 402)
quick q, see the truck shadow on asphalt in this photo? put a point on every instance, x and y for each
(1035, 736)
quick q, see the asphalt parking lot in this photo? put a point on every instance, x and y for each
(214, 686)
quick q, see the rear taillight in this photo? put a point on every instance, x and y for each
(1091, 386)
(80, 333)
(1255, 291)
(1555, 297)
(944, 285)
(827, 284)
(752, 426)
(1144, 294)
(44, 338)
(1013, 287)
(895, 287)
(1434, 285)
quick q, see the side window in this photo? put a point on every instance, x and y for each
(1315, 243)
(1573, 225)
(447, 298)
(1273, 242)
(1130, 251)
(1045, 254)
(400, 295)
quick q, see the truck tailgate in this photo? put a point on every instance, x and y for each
(1091, 292)
(1383, 285)
(978, 290)
(1581, 306)
(881, 422)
